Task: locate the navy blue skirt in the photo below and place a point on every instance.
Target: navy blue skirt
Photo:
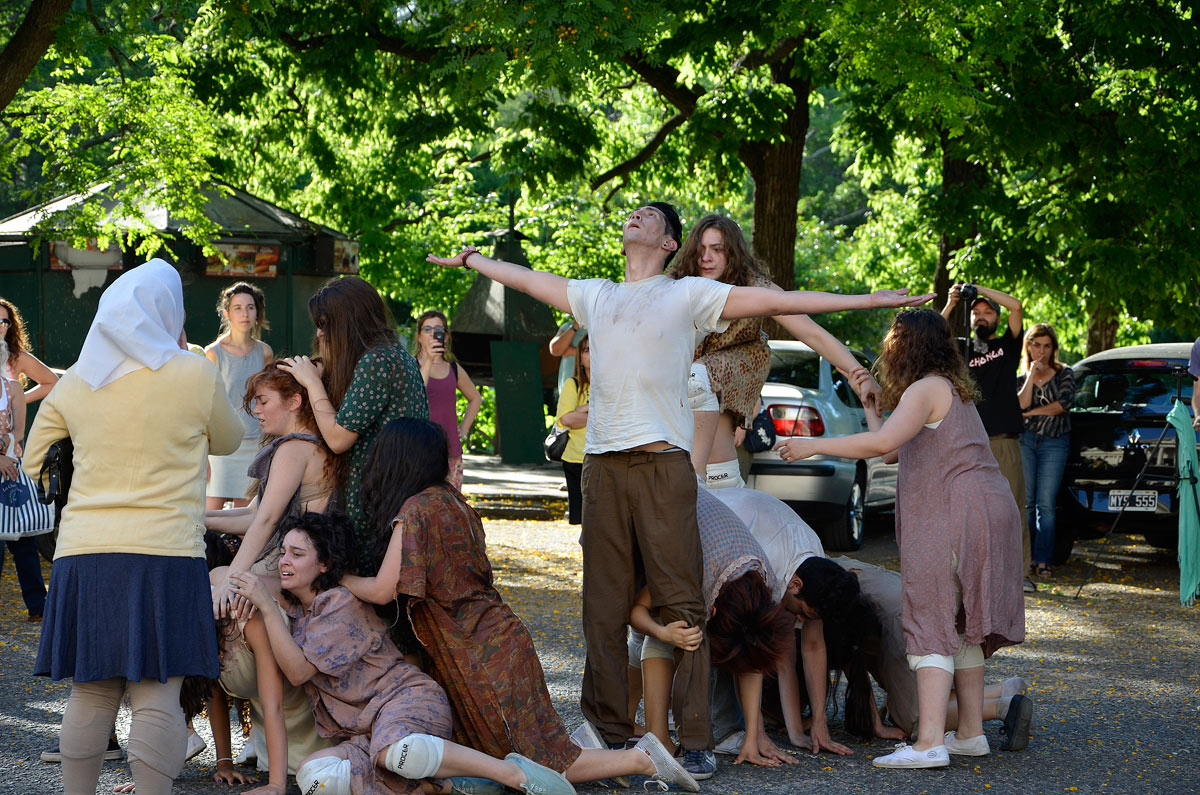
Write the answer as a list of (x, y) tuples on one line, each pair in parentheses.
[(135, 617)]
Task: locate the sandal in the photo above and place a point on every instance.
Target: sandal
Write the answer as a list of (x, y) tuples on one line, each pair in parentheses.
[(1043, 570)]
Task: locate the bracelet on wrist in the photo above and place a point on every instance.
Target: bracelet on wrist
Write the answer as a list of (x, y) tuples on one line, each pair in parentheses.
[(228, 759), (466, 255)]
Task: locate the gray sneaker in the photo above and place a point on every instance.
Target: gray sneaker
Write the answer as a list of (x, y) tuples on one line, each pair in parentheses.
[(667, 768), (586, 736), (701, 763), (732, 744)]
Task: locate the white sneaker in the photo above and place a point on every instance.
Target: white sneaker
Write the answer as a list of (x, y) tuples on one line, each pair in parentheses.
[(586, 736), (667, 768), (732, 744), (907, 757), (1013, 686), (195, 746), (976, 746)]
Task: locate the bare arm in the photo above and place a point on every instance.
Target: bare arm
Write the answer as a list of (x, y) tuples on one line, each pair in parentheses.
[(1015, 309), (474, 402), (569, 412), (337, 438), (560, 344), (270, 696), (763, 301), (789, 698), (816, 677), (925, 401), (33, 368), (381, 589), (677, 633), (18, 413), (1025, 394), (1196, 402), (288, 655), (549, 288)]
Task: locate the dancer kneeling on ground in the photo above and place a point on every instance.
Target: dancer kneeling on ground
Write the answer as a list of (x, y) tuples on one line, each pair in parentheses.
[(296, 474), (390, 718), (748, 630), (431, 549), (869, 643), (957, 527)]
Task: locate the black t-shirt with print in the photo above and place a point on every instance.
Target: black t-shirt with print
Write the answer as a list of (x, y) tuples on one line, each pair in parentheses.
[(996, 373)]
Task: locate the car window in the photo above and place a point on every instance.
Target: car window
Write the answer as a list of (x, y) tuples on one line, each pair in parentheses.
[(798, 368), (845, 393), (1142, 391)]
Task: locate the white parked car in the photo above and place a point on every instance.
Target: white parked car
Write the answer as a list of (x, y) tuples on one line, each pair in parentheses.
[(806, 396)]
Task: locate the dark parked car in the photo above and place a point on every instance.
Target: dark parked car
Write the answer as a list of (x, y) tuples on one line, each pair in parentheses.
[(1121, 402)]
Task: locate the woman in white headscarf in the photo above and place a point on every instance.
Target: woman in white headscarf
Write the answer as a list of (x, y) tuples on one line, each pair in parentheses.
[(129, 611)]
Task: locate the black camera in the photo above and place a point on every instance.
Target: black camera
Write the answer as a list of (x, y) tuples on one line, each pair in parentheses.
[(968, 293), (439, 334)]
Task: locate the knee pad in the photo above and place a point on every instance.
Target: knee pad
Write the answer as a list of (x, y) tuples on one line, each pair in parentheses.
[(325, 775), (700, 392), (943, 661), (415, 757), (725, 475)]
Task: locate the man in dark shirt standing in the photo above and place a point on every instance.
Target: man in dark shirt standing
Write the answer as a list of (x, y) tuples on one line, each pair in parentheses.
[(993, 359)]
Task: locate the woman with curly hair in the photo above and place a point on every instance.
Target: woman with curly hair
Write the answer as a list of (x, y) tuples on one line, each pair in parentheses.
[(731, 366), (957, 528), (389, 720), (21, 364)]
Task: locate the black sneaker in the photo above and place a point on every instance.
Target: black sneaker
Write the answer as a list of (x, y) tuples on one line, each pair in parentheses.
[(1017, 723), (111, 754)]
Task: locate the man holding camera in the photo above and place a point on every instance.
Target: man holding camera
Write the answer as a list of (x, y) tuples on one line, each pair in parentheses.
[(994, 359)]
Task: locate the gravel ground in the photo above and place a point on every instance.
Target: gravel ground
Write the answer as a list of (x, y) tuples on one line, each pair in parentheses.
[(1113, 674)]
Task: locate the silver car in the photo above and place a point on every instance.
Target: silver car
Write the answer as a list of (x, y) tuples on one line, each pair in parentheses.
[(806, 396)]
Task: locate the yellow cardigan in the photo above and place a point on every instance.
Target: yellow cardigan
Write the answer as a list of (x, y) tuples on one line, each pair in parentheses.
[(141, 448)]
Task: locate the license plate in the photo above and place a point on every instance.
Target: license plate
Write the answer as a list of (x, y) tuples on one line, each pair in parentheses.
[(1133, 500)]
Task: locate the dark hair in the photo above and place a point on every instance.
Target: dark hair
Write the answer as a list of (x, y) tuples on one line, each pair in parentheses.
[(408, 456), (416, 342), (15, 335), (582, 377), (849, 625), (741, 267), (1041, 330), (260, 306), (353, 319), (674, 227), (750, 630), (918, 344), (332, 538)]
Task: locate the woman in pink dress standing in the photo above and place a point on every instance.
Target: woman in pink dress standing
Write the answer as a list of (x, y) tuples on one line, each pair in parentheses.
[(444, 379)]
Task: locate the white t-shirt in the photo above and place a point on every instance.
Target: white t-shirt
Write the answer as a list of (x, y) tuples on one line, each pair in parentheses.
[(786, 538), (642, 336)]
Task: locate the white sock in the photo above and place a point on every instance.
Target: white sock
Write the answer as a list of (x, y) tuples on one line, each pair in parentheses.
[(725, 475)]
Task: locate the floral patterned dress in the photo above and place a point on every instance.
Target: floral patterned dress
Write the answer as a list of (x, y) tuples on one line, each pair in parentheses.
[(738, 361), (364, 696), (386, 385), (480, 651)]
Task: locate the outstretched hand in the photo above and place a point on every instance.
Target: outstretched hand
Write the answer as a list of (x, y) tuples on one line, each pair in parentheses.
[(898, 298), (796, 448), (457, 261)]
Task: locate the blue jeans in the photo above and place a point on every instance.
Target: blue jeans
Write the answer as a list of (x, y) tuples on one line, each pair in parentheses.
[(29, 572), (1043, 458)]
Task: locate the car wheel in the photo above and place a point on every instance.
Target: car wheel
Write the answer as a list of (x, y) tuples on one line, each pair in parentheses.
[(1064, 544), (845, 533)]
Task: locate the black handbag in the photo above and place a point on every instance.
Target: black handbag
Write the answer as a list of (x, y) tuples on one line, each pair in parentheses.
[(54, 479), (760, 436), (556, 442)]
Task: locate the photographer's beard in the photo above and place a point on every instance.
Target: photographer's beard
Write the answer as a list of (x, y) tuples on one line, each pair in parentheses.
[(983, 332)]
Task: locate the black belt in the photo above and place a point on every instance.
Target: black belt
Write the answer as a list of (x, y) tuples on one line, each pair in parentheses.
[(1004, 436)]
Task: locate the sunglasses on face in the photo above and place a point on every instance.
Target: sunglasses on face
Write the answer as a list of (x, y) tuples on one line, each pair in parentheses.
[(5, 322)]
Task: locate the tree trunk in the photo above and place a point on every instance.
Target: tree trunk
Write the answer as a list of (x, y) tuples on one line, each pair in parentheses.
[(959, 178), (28, 44), (775, 169), (1102, 328)]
